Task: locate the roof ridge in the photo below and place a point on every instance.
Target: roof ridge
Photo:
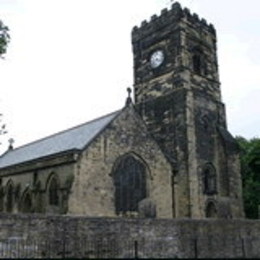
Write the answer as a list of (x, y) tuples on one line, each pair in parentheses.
[(62, 131)]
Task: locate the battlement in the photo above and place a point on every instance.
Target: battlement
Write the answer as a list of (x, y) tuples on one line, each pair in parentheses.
[(169, 16)]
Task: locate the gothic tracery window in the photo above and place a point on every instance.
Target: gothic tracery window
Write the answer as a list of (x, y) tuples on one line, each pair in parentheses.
[(130, 184), (54, 192)]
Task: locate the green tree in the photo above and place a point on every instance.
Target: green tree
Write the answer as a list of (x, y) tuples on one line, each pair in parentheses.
[(2, 126), (4, 38), (250, 170)]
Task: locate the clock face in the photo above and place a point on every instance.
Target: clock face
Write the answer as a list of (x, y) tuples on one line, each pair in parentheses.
[(156, 59)]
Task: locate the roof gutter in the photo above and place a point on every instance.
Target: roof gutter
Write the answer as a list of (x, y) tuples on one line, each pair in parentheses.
[(62, 158)]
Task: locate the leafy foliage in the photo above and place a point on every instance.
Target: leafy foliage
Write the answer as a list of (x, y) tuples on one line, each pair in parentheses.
[(250, 169), (2, 126), (4, 38)]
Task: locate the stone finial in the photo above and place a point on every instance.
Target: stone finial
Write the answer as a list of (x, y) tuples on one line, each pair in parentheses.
[(129, 99), (11, 142)]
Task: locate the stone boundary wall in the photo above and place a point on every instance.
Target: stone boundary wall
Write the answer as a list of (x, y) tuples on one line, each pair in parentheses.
[(39, 236)]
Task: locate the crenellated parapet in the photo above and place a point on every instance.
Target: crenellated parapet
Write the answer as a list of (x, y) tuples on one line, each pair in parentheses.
[(170, 17)]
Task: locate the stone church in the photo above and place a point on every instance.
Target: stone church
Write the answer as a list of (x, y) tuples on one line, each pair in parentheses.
[(166, 154)]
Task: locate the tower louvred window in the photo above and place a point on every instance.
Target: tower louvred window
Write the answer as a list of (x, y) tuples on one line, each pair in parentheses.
[(196, 61), (199, 62), (210, 180)]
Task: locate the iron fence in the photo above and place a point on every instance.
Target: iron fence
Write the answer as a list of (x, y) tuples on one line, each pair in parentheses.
[(109, 247)]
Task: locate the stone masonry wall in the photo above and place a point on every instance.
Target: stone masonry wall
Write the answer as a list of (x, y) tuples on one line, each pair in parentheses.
[(40, 236), (33, 179), (93, 190)]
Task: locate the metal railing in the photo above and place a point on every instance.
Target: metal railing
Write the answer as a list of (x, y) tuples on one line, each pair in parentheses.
[(109, 247)]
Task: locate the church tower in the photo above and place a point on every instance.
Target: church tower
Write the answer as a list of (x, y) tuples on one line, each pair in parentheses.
[(177, 93)]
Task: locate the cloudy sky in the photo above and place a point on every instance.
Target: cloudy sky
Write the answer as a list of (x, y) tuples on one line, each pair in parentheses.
[(70, 61)]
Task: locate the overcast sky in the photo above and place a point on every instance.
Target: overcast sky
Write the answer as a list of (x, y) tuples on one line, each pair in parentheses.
[(70, 61)]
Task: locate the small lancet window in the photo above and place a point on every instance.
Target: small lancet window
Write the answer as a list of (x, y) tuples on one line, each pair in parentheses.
[(9, 198), (54, 192), (27, 203)]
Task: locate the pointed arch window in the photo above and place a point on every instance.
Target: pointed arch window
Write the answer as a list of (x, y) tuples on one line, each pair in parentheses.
[(54, 192), (9, 197), (27, 203), (130, 184)]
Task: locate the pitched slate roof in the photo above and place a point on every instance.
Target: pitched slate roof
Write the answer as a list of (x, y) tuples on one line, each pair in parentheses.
[(75, 138)]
